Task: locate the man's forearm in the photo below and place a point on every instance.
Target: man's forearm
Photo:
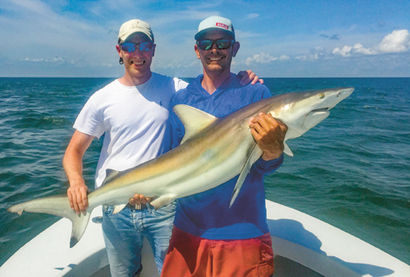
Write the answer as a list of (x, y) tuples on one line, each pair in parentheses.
[(73, 157), (73, 166)]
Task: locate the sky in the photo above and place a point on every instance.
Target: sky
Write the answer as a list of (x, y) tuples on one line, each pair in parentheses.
[(63, 38)]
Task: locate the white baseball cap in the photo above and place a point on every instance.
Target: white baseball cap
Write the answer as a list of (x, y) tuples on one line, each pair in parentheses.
[(215, 22), (135, 26)]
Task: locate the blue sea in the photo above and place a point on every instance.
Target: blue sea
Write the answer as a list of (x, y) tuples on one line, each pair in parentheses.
[(352, 170)]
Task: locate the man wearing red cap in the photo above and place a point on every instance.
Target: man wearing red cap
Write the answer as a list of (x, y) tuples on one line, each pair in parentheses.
[(209, 237)]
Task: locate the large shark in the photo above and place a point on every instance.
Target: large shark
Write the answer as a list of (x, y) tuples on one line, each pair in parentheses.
[(213, 151)]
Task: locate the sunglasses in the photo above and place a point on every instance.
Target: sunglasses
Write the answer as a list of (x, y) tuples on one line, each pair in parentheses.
[(130, 47), (207, 44)]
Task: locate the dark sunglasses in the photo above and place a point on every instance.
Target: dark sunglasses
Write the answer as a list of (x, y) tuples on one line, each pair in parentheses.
[(131, 47), (207, 44)]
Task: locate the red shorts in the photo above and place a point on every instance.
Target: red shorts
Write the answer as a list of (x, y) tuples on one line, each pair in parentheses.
[(189, 255)]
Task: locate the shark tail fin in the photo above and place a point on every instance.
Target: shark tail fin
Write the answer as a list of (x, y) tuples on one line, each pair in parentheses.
[(59, 206)]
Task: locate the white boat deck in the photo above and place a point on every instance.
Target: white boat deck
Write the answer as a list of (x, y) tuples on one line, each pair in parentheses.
[(303, 246)]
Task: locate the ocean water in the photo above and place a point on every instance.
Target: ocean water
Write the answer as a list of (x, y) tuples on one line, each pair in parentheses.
[(352, 170)]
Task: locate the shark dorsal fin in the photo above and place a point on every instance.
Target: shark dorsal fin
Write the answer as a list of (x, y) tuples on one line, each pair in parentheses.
[(194, 120), (109, 175)]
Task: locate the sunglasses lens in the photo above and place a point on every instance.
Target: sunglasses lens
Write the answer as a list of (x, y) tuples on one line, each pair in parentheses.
[(131, 47), (205, 44), (145, 46), (128, 47), (223, 43)]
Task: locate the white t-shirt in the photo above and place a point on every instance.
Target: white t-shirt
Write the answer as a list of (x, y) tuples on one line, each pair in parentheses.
[(132, 119)]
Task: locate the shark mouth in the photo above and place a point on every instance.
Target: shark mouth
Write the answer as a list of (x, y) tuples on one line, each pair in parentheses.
[(321, 110)]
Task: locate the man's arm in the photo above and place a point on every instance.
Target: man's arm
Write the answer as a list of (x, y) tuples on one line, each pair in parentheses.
[(73, 166), (247, 77)]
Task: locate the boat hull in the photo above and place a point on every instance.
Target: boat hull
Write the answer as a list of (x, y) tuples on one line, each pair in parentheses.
[(303, 246)]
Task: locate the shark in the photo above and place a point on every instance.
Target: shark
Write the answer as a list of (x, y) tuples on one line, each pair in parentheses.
[(213, 151)]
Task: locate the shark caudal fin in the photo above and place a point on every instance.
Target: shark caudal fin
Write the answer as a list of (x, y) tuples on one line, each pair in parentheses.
[(59, 206)]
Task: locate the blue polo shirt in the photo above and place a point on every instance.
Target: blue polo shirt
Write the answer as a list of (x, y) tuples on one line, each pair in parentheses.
[(207, 214)]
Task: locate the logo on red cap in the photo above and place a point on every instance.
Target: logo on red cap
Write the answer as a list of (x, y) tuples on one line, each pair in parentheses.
[(218, 24)]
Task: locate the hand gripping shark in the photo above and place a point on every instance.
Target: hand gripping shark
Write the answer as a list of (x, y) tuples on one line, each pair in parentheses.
[(213, 151)]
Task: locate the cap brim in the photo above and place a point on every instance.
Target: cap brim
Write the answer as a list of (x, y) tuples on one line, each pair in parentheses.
[(140, 33), (202, 33)]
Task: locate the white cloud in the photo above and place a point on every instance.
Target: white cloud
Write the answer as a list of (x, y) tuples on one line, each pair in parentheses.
[(397, 41), (284, 58), (344, 51), (264, 58), (260, 58), (309, 57), (358, 48), (35, 7), (252, 15), (45, 60)]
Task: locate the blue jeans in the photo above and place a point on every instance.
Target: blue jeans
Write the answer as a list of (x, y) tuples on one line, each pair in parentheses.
[(124, 233)]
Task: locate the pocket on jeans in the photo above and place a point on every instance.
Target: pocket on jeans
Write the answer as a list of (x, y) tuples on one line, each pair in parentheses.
[(108, 210)]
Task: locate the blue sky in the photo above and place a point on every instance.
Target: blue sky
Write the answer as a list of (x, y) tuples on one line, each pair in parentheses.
[(278, 38)]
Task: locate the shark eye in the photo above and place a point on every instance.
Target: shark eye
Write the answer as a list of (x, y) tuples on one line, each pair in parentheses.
[(322, 95)]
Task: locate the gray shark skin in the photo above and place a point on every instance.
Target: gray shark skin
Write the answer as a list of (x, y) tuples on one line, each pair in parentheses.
[(213, 151)]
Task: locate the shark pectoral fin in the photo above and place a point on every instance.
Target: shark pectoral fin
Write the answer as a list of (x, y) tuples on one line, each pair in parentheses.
[(287, 150), (163, 200), (118, 208), (194, 120), (80, 223), (253, 157)]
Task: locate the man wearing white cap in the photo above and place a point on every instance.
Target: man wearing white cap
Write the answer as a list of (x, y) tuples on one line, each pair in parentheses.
[(131, 112), (209, 237)]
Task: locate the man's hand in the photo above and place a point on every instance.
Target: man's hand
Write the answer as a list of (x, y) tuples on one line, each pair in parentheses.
[(77, 196), (247, 77), (269, 134), (139, 199)]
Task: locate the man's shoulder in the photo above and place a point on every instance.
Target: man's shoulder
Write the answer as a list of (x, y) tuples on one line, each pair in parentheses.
[(164, 78), (188, 91), (234, 83), (108, 87), (258, 89), (181, 95), (103, 89), (175, 82), (159, 76)]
